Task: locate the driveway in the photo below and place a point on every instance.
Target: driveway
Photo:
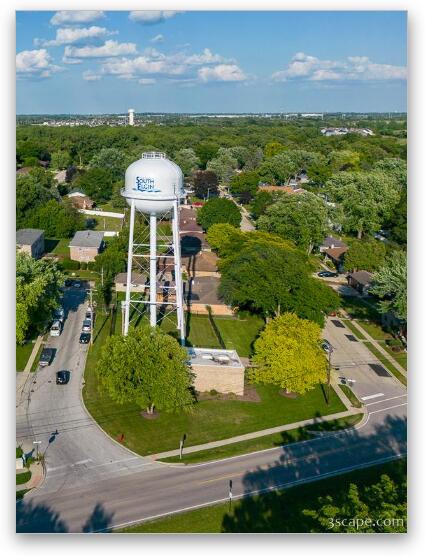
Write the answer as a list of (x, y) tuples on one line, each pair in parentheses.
[(76, 450)]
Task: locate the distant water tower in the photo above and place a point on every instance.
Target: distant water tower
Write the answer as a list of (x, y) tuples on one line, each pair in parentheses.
[(131, 116), (153, 187)]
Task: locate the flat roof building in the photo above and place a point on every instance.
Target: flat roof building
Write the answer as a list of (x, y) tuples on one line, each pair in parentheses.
[(217, 369)]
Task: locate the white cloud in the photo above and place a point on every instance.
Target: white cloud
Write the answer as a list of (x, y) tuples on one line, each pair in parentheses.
[(107, 50), (35, 63), (222, 72), (207, 57), (358, 68), (149, 17), (147, 81), (158, 38), (69, 35), (70, 61), (91, 76), (76, 16)]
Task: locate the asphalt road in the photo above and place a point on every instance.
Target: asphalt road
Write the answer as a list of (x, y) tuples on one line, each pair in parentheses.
[(93, 484)]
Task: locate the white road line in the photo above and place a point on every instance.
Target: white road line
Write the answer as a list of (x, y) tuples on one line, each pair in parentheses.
[(364, 398), (386, 400), (386, 408), (82, 461)]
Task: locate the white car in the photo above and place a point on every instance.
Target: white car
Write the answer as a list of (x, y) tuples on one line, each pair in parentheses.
[(56, 328), (86, 326)]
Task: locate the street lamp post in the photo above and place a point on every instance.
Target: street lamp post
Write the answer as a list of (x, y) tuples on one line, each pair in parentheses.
[(328, 387), (37, 443)]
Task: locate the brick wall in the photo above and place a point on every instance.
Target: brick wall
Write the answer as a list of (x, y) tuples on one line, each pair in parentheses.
[(224, 379), (83, 254)]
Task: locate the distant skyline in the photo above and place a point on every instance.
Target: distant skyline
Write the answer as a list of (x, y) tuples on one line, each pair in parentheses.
[(94, 62)]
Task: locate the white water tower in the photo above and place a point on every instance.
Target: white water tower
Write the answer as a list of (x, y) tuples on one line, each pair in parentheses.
[(131, 116), (154, 186)]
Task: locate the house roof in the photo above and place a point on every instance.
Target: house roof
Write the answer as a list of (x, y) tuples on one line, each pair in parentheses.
[(76, 194), (336, 252), (87, 238), (136, 278), (203, 290), (331, 241), (28, 236), (361, 277), (205, 261)]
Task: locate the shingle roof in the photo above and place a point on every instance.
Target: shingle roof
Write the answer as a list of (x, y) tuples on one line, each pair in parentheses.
[(28, 236), (336, 252), (136, 278), (362, 277), (87, 238), (333, 241)]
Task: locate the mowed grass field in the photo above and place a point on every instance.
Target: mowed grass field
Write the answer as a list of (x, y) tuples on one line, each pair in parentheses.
[(210, 419)]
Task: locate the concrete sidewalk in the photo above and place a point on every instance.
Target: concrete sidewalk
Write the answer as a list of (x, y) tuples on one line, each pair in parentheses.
[(37, 476), (258, 434), (33, 355)]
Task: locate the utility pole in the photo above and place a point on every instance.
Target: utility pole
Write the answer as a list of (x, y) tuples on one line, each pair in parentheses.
[(328, 388), (92, 313)]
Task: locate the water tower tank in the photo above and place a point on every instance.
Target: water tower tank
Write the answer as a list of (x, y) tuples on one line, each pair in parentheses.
[(154, 182)]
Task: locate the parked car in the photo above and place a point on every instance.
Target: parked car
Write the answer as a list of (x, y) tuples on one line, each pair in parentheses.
[(46, 357), (59, 314), (56, 328), (84, 338), (326, 274), (62, 377), (86, 325), (68, 283), (326, 346), (89, 316), (77, 284)]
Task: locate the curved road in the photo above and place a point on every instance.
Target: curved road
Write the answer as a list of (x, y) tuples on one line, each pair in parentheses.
[(94, 484)]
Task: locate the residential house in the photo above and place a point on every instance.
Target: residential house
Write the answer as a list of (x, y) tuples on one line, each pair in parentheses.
[(360, 281), (30, 241), (201, 264), (331, 242), (85, 245), (80, 200), (201, 292), (137, 282)]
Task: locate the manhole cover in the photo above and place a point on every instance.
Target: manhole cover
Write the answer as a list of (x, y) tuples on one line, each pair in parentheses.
[(337, 323), (379, 369), (351, 337)]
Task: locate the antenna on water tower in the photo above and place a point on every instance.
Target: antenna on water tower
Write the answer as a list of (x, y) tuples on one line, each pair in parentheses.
[(131, 116), (154, 187)]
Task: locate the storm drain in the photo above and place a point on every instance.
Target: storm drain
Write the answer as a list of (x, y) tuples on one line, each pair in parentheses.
[(379, 369), (351, 337), (337, 323)]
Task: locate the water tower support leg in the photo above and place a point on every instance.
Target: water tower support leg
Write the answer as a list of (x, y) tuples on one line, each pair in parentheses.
[(129, 267), (152, 268), (178, 272)]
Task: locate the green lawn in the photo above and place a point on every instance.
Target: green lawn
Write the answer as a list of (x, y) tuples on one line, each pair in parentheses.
[(400, 357), (22, 478), (358, 308), (264, 442), (276, 512), (353, 329), (37, 359), (22, 355), (386, 363), (375, 330), (107, 223), (240, 333), (57, 246), (200, 332), (350, 395)]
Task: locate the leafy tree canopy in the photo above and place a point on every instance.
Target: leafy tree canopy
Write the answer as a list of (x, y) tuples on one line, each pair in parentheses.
[(147, 367), (366, 254), (288, 353), (390, 284), (187, 160), (219, 211), (261, 201), (60, 160), (245, 184), (57, 219), (223, 165), (111, 160), (205, 184), (301, 218), (96, 183)]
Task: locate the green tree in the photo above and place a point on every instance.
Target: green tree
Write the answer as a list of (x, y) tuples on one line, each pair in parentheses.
[(282, 166), (288, 354), (38, 285), (365, 254), (205, 151), (147, 367), (187, 160), (395, 167), (224, 238), (205, 184), (273, 148), (59, 220), (112, 160), (366, 198), (262, 200), (245, 185), (97, 183), (301, 218), (224, 165), (344, 160), (381, 508), (60, 160), (113, 259), (397, 222), (390, 284), (29, 196), (219, 211), (271, 277)]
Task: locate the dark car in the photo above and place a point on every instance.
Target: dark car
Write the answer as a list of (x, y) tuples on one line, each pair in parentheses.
[(68, 283), (46, 357), (326, 274), (326, 346), (62, 377), (84, 338)]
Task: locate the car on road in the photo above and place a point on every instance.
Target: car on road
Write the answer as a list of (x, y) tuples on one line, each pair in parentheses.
[(46, 357), (86, 325), (68, 283), (326, 274), (77, 284), (63, 377), (89, 316), (326, 346), (59, 314), (56, 328), (84, 338)]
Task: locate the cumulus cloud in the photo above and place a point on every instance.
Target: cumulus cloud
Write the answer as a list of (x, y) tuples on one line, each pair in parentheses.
[(149, 17), (91, 76), (357, 68), (35, 63), (221, 72), (158, 38), (69, 35), (147, 81), (107, 50), (72, 17)]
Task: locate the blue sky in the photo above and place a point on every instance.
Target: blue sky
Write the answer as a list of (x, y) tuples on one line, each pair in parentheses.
[(156, 61)]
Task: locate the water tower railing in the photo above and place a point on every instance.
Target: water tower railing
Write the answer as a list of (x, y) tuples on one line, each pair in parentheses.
[(154, 154)]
